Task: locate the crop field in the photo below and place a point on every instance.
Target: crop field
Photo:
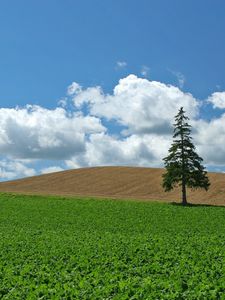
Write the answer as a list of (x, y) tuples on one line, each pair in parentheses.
[(114, 182), (64, 248)]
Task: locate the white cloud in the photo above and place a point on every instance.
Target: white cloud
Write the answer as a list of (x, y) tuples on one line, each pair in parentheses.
[(180, 78), (121, 64), (210, 135), (10, 169), (91, 95), (142, 110), (51, 169), (145, 71), (102, 150), (34, 132), (210, 140), (217, 99), (62, 102), (73, 88), (141, 105)]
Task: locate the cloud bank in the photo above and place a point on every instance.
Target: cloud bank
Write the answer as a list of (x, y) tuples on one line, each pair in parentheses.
[(130, 126)]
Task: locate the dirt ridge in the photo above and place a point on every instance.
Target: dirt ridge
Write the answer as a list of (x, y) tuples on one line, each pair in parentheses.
[(115, 182)]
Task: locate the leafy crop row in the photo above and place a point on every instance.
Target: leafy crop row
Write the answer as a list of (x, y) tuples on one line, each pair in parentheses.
[(55, 248)]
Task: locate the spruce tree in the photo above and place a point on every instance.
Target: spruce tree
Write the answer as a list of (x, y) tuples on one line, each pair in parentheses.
[(183, 164)]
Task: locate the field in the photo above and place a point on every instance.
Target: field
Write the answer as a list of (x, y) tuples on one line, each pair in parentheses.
[(61, 248), (114, 182)]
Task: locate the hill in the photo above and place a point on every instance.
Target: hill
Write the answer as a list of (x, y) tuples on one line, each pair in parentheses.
[(114, 182)]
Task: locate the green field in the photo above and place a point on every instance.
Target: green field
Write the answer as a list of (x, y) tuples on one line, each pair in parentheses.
[(60, 248)]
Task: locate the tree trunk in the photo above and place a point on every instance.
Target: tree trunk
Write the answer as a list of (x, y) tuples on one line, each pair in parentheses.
[(184, 196)]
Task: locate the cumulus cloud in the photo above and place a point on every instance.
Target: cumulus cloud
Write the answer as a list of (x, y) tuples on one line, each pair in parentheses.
[(10, 169), (141, 105), (73, 88), (134, 150), (91, 96), (62, 102), (217, 99), (34, 132), (141, 112), (210, 140)]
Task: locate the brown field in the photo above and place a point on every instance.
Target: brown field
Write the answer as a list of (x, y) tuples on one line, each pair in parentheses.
[(114, 182)]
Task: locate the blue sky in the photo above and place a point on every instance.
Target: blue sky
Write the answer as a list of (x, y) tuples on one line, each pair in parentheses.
[(48, 45)]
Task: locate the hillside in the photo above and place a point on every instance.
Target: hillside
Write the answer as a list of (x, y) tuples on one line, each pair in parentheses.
[(114, 182)]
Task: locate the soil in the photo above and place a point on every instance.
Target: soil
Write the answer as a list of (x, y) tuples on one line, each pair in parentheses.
[(117, 183)]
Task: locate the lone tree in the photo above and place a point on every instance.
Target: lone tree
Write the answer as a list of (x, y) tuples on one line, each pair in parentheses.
[(183, 165)]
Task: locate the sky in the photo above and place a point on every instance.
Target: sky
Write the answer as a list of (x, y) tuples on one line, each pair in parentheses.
[(98, 82)]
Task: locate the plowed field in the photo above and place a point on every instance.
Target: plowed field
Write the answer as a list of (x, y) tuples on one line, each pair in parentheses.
[(114, 182)]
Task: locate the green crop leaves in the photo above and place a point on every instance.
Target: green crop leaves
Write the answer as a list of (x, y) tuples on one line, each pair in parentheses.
[(54, 248)]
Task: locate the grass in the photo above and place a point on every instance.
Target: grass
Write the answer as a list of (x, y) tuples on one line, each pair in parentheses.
[(61, 248)]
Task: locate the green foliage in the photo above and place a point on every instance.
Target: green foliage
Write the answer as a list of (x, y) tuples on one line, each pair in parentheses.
[(183, 165), (54, 248)]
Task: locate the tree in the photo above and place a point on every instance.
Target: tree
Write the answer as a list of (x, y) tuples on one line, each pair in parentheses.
[(183, 164)]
